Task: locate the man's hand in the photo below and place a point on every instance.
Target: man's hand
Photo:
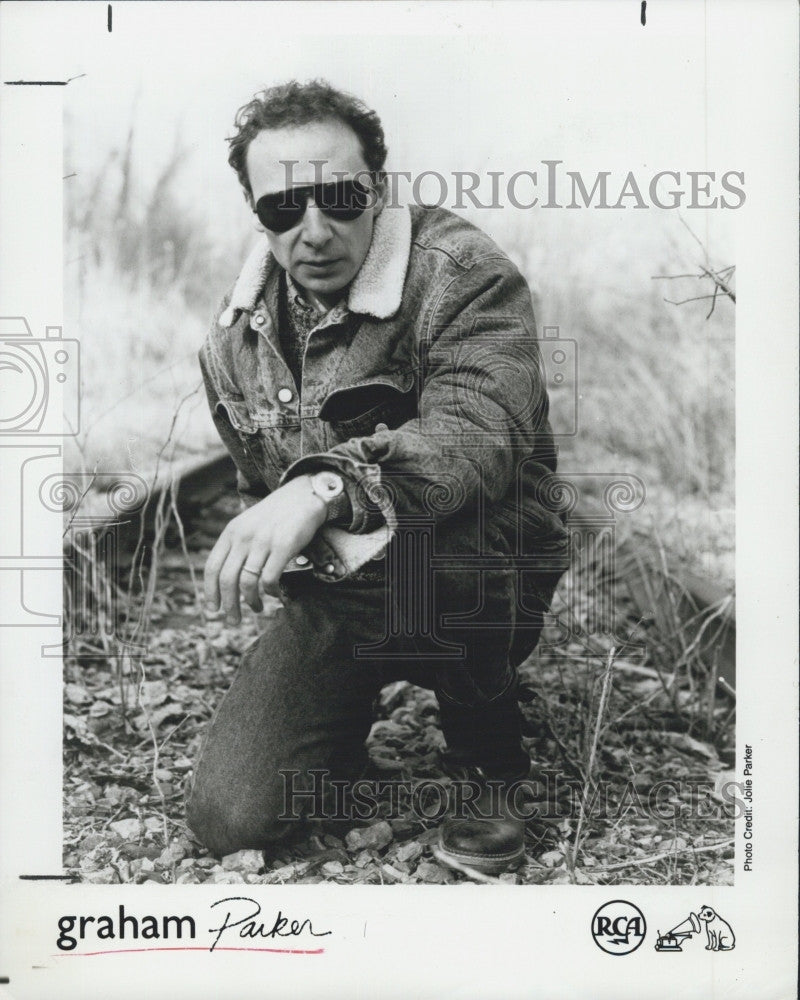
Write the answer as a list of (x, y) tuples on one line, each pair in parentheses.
[(254, 548)]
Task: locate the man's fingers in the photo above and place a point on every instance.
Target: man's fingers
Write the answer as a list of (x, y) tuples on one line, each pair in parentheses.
[(214, 564), (251, 571), (271, 573), (229, 584)]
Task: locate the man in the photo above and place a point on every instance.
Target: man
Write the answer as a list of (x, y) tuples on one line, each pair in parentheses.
[(375, 375)]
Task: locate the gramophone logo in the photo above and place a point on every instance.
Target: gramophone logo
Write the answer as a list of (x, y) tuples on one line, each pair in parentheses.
[(618, 927), (719, 933)]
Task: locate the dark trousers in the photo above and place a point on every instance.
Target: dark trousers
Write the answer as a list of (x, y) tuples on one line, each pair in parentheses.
[(303, 696)]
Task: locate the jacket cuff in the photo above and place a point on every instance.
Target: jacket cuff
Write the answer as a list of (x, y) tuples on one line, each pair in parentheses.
[(340, 509), (371, 507)]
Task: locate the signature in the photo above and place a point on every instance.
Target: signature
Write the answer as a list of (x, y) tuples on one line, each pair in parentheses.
[(242, 914)]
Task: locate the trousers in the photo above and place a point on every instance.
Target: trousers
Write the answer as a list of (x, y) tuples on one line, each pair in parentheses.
[(302, 698)]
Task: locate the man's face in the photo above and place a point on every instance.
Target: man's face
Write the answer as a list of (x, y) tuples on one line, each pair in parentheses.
[(322, 255)]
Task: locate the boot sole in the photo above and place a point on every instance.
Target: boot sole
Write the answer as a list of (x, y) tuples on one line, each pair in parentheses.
[(487, 865)]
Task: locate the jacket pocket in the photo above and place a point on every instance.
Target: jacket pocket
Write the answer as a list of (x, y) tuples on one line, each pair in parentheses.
[(257, 441), (358, 411)]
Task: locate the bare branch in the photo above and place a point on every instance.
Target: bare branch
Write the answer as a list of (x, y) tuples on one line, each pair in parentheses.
[(721, 285), (695, 298)]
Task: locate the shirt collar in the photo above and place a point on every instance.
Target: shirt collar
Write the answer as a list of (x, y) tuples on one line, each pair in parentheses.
[(377, 289)]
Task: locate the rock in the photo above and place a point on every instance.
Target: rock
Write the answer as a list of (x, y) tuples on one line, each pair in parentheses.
[(430, 872), (242, 861), (105, 876), (372, 838), (409, 852), (99, 709), (227, 878), (552, 858), (113, 794), (132, 850), (126, 828), (282, 874), (172, 854), (91, 840), (151, 877), (331, 868), (152, 693), (76, 694)]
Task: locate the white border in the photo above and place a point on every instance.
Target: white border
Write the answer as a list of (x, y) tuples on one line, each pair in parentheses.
[(467, 941)]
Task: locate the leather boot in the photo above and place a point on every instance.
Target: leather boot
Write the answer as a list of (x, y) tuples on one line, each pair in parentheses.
[(485, 831)]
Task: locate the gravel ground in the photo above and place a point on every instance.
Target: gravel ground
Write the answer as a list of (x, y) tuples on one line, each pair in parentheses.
[(634, 761)]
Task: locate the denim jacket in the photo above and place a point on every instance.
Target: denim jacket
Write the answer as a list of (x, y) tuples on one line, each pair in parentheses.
[(424, 389)]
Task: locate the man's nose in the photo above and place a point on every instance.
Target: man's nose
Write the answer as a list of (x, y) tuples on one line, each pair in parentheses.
[(316, 226)]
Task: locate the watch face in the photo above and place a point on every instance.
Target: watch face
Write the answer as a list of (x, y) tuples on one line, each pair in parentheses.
[(328, 485)]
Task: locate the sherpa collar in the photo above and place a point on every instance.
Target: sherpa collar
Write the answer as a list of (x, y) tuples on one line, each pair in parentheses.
[(377, 289)]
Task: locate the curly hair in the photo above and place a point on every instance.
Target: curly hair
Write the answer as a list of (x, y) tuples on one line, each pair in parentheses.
[(296, 103)]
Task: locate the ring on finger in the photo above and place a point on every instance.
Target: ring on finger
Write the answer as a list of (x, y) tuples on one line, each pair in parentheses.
[(255, 572)]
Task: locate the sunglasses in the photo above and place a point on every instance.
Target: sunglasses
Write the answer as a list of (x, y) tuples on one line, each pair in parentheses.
[(343, 200)]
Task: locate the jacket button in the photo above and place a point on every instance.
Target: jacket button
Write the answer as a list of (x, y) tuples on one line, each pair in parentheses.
[(285, 395), (329, 568), (381, 427), (258, 319)]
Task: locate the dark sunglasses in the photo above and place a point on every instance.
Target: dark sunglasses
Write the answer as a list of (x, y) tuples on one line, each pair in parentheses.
[(342, 200)]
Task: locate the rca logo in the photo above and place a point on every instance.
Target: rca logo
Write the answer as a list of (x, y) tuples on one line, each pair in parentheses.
[(618, 927)]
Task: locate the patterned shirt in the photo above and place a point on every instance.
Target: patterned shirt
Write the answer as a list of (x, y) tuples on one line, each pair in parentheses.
[(297, 320)]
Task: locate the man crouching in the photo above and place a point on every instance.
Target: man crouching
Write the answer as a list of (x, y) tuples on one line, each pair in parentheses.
[(375, 375)]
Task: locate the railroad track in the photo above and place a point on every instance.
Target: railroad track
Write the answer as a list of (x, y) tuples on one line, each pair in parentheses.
[(704, 607)]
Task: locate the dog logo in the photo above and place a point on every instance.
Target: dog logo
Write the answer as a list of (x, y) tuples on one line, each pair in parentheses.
[(719, 933), (618, 927)]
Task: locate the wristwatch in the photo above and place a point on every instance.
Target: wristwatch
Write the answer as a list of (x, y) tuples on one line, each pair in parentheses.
[(329, 486)]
